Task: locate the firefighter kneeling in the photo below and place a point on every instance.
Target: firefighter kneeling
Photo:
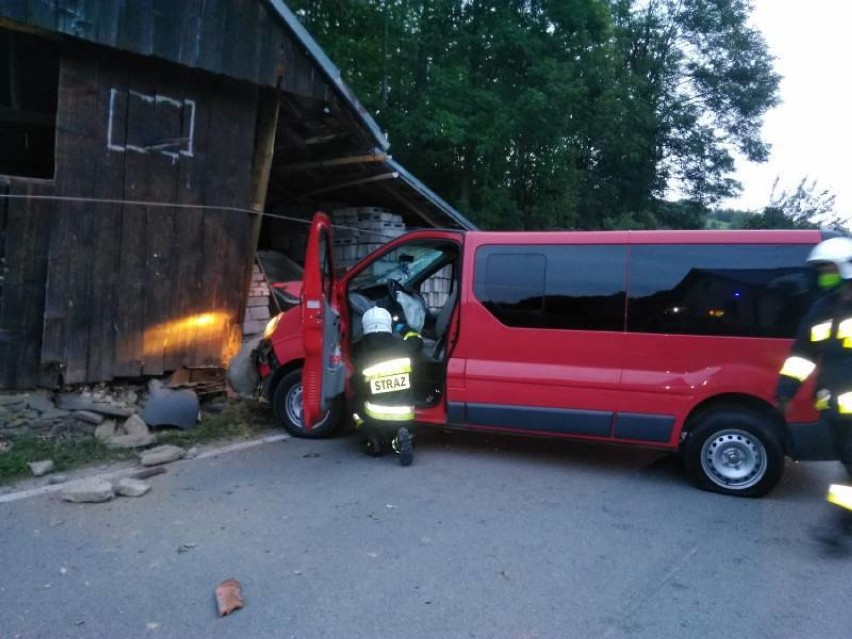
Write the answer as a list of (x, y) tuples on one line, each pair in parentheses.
[(384, 364)]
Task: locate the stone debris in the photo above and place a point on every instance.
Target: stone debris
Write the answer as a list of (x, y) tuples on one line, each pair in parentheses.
[(88, 491), (135, 425), (105, 430), (71, 401), (132, 487), (162, 455), (43, 413), (130, 441), (133, 433), (88, 416), (41, 468), (57, 479), (52, 414), (40, 403)]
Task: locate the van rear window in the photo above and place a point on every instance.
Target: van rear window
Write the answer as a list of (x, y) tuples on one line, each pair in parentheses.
[(749, 290)]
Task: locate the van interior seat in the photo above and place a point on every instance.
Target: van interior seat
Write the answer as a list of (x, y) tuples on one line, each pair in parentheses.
[(433, 347)]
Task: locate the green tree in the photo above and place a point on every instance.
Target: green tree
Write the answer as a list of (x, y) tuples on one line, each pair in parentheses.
[(559, 113), (805, 207), (696, 81)]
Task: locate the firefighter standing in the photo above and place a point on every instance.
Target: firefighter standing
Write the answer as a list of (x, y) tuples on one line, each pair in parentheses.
[(382, 382), (824, 341)]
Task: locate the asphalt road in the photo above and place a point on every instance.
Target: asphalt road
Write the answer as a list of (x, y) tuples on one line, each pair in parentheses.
[(482, 537)]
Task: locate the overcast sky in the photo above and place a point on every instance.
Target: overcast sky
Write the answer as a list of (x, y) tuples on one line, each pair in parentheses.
[(811, 132)]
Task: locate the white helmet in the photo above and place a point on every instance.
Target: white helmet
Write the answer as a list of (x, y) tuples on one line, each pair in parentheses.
[(376, 320), (838, 251)]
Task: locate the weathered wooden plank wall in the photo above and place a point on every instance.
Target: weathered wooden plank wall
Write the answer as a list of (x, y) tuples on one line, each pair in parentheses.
[(106, 251), (27, 224), (227, 184), (242, 39), (65, 335), (133, 288)]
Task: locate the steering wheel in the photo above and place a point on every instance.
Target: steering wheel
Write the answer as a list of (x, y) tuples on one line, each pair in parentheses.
[(395, 286)]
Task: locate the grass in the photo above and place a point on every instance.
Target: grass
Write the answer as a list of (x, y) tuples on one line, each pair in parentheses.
[(238, 420)]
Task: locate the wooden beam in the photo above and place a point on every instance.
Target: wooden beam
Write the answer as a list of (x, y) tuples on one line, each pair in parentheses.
[(268, 108), (376, 178), (320, 164)]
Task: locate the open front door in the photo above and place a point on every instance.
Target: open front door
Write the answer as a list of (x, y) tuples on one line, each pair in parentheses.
[(323, 375)]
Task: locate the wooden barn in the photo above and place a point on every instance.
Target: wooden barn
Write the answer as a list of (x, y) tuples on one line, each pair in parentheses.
[(140, 141)]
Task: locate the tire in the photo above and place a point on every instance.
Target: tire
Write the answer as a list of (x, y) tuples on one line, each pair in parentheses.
[(404, 447), (287, 407), (734, 451)]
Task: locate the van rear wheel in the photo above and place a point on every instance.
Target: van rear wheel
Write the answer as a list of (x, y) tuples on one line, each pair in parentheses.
[(287, 406), (734, 452)]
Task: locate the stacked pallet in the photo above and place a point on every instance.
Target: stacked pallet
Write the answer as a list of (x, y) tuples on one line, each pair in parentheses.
[(436, 289), (358, 231)]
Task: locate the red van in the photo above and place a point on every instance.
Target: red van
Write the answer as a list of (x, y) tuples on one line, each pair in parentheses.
[(662, 339)]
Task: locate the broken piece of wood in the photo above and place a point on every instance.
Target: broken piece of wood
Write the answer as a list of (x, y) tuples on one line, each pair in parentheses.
[(229, 596)]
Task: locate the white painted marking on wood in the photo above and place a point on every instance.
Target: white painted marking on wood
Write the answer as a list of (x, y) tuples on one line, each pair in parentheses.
[(181, 104)]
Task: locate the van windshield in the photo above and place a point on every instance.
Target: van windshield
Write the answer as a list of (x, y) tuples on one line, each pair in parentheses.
[(402, 264)]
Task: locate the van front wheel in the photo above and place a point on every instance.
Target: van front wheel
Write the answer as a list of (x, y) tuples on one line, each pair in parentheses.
[(287, 406), (734, 452)]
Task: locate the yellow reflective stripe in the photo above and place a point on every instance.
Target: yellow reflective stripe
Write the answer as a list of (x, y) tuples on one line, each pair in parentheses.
[(823, 399), (821, 332), (844, 403), (357, 419), (840, 495), (389, 413), (411, 334), (844, 329), (390, 367), (798, 368)]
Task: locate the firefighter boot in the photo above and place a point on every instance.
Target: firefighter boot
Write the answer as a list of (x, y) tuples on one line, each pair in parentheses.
[(402, 447), (834, 533)]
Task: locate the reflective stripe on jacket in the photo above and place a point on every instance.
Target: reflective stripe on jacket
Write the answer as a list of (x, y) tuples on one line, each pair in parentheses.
[(823, 344)]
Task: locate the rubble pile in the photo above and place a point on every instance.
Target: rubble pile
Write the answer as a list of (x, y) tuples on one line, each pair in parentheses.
[(41, 412), (120, 417)]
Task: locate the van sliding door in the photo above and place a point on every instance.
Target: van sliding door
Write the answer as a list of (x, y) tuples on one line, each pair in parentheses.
[(544, 335)]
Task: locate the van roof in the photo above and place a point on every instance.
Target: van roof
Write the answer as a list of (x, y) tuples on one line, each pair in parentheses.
[(798, 236)]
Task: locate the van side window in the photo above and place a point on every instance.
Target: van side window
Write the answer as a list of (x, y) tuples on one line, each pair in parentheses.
[(745, 290), (580, 287)]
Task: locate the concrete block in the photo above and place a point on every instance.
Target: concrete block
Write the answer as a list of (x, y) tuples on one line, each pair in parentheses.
[(41, 468), (88, 491), (162, 455), (132, 487)]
